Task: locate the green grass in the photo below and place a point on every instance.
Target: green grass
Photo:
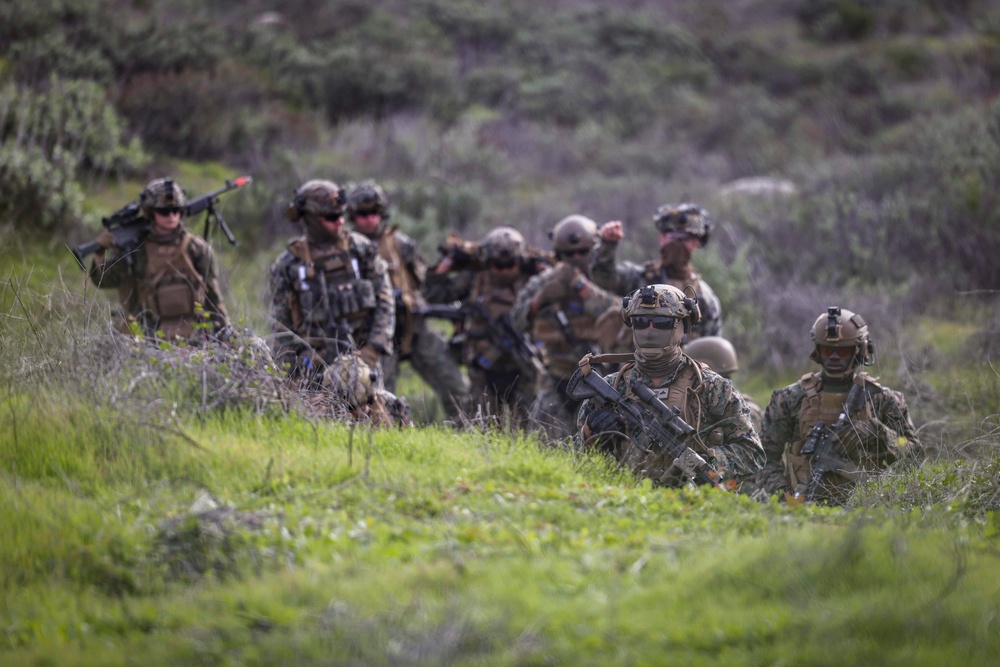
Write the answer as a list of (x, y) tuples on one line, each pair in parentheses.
[(433, 547)]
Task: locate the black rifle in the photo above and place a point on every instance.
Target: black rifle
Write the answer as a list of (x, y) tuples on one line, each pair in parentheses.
[(666, 429), (129, 227), (570, 335), (503, 334), (819, 448)]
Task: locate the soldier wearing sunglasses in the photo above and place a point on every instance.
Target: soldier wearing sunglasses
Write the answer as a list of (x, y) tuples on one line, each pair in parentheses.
[(683, 229), (873, 434), (659, 316), (168, 285)]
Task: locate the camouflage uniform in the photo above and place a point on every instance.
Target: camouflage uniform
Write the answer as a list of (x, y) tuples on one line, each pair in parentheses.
[(498, 386), (425, 349), (169, 283), (876, 435), (330, 295), (709, 403), (626, 277), (560, 308)]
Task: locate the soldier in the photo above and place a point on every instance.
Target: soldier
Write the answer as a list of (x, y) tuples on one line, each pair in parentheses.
[(560, 308), (488, 277), (426, 350), (719, 354), (683, 229), (331, 298), (874, 431), (660, 316), (168, 284)]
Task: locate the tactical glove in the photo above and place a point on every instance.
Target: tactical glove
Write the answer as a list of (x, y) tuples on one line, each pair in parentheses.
[(601, 420)]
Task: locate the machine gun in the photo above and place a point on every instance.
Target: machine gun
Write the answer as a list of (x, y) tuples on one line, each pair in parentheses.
[(502, 333), (819, 448), (129, 227), (666, 429)]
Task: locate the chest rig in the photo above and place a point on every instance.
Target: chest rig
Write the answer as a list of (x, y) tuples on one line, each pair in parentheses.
[(564, 331), (329, 288), (493, 299), (173, 289), (654, 272)]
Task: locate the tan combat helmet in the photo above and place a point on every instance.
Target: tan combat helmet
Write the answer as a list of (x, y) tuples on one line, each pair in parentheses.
[(716, 352), (573, 234), (365, 198), (662, 301), (839, 327), (503, 247), (316, 198), (683, 218), (161, 193)]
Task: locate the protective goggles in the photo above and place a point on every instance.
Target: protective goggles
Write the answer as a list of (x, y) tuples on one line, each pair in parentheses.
[(168, 210), (661, 322), (840, 350), (332, 216)]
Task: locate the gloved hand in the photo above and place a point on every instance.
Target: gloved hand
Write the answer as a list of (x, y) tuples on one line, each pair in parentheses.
[(683, 468), (856, 437), (371, 356), (105, 239), (601, 420)]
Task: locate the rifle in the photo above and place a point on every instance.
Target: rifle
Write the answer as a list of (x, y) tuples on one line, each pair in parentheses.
[(819, 448), (666, 429), (502, 332), (129, 227), (570, 336)]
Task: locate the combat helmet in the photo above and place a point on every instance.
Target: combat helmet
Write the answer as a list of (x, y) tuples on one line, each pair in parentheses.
[(161, 193), (683, 218), (365, 198), (574, 233), (716, 352), (503, 247), (350, 378), (839, 327), (661, 301), (316, 199)]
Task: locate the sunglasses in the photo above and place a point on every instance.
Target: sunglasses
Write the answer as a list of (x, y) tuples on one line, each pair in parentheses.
[(332, 216), (504, 263), (575, 253), (365, 214), (167, 210), (658, 321), (831, 350)]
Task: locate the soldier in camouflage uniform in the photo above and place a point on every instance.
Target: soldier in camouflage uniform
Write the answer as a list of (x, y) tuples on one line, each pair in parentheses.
[(877, 434), (426, 350), (683, 229), (560, 309), (168, 284), (660, 316), (331, 298), (486, 278)]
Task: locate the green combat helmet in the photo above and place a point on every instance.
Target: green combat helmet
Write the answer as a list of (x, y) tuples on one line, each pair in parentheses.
[(573, 234), (161, 193), (314, 201), (683, 219), (661, 301), (839, 327), (366, 198), (350, 378), (716, 352), (503, 247)]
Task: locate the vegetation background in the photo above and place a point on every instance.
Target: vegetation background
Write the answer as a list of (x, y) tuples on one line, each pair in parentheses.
[(188, 510)]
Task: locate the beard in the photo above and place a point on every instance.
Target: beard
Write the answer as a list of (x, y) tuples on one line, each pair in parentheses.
[(676, 257)]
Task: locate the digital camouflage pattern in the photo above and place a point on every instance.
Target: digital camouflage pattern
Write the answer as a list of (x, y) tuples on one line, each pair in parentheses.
[(129, 275), (719, 414), (626, 277), (301, 338), (562, 292), (877, 435)]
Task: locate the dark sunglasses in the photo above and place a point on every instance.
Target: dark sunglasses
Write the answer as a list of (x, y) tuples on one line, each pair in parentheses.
[(365, 214), (167, 210), (658, 322), (830, 350), (504, 263), (332, 216), (575, 253)]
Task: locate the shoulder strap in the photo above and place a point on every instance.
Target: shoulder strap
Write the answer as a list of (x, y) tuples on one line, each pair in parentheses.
[(300, 250), (810, 383)]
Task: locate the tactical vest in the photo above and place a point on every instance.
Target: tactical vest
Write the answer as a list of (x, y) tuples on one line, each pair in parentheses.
[(818, 405), (328, 287), (405, 288), (561, 355), (678, 394), (496, 299), (173, 288)]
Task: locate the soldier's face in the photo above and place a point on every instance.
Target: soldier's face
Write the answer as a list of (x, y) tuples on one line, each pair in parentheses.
[(166, 220), (367, 223), (332, 223), (837, 361)]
